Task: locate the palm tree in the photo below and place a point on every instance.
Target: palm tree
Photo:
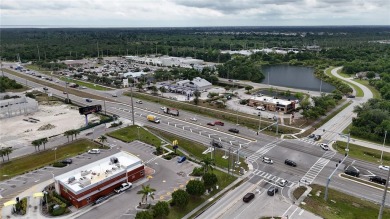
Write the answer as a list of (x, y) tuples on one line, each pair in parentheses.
[(67, 134), (207, 164), (162, 90), (76, 132), (139, 86), (36, 143), (154, 90), (2, 153), (7, 151), (102, 139), (44, 141), (145, 192)]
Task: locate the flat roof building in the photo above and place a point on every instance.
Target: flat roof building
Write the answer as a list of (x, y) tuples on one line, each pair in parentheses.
[(85, 184), (272, 104)]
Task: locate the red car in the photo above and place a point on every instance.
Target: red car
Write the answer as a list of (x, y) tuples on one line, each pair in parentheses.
[(219, 123), (211, 124)]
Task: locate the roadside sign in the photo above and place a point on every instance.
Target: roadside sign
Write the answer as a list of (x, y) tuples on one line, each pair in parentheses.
[(175, 142)]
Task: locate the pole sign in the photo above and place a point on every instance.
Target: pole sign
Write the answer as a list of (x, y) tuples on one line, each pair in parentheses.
[(90, 109)]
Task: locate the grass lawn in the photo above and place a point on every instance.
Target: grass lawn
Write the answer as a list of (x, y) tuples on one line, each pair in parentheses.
[(40, 159), (345, 206), (363, 153), (299, 191), (196, 149), (85, 84), (130, 133), (223, 180), (215, 114), (374, 91)]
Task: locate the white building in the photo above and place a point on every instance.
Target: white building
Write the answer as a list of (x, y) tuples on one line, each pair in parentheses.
[(16, 106)]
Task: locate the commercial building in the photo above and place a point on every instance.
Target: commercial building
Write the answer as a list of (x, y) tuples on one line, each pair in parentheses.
[(85, 184), (272, 104), (17, 105)]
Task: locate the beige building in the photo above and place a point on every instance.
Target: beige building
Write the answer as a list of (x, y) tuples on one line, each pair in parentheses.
[(272, 104)]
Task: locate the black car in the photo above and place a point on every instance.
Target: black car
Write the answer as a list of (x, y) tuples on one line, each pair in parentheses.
[(378, 179), (290, 163), (234, 130), (67, 161), (311, 136), (272, 190), (248, 197), (216, 144), (88, 100), (352, 171)]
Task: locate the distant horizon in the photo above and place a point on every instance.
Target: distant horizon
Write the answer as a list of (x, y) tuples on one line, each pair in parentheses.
[(248, 26), (189, 13)]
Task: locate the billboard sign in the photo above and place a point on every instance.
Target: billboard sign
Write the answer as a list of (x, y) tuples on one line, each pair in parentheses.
[(90, 109)]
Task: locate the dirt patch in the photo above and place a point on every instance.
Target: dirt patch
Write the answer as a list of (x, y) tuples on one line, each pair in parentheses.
[(49, 120)]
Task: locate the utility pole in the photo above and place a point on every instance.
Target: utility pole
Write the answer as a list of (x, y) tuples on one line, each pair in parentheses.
[(328, 181), (384, 141), (384, 196), (1, 66), (39, 56), (105, 112), (259, 123), (132, 103), (229, 161)]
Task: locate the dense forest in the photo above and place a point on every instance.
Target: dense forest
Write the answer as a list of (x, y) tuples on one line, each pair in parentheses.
[(357, 49)]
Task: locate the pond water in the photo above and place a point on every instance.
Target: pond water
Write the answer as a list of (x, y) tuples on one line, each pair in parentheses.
[(294, 77)]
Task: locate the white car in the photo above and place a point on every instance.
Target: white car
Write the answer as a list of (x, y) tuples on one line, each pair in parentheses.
[(324, 146), (163, 108), (283, 183), (267, 160), (114, 95), (123, 187), (138, 101), (194, 119), (94, 151), (382, 167)]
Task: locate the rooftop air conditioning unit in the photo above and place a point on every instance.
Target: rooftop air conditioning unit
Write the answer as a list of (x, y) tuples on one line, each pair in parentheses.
[(114, 160), (71, 179)]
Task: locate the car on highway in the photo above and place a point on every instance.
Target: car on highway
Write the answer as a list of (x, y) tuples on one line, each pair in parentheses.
[(114, 95), (67, 161), (317, 137), (88, 100), (219, 123), (382, 167), (45, 89), (100, 200), (248, 197), (123, 187), (377, 179), (138, 101), (311, 136), (94, 151), (163, 108), (193, 119), (267, 160), (217, 144), (352, 171), (290, 163), (210, 124), (324, 146), (64, 92), (83, 87), (234, 130), (282, 183), (272, 190)]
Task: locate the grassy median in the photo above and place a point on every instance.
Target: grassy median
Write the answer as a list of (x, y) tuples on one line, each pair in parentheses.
[(40, 159), (130, 133), (340, 205), (362, 153)]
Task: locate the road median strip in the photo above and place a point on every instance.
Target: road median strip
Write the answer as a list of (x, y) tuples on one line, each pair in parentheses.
[(362, 182)]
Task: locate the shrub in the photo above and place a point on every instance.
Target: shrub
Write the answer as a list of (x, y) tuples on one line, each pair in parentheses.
[(64, 200), (197, 171), (59, 164)]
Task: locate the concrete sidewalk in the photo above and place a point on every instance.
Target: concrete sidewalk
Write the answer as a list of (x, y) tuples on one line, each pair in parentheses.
[(367, 144)]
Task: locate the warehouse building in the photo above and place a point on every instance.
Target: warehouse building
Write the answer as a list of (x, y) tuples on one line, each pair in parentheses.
[(85, 184)]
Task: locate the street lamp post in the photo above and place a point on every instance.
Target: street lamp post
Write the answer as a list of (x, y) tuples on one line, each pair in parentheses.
[(132, 103), (55, 155), (138, 132), (384, 195), (383, 146), (259, 123)]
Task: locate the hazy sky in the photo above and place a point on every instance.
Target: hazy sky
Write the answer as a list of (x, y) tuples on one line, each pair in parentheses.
[(170, 13)]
